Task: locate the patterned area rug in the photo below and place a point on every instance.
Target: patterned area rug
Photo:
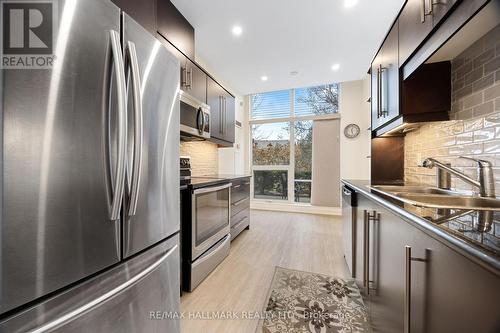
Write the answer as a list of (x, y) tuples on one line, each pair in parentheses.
[(308, 302)]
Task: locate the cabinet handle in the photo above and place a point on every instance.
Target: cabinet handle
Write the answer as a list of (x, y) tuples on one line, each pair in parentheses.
[(225, 115), (407, 310), (382, 111), (422, 11), (187, 77), (366, 247), (190, 78), (183, 77), (366, 253), (220, 114), (379, 91)]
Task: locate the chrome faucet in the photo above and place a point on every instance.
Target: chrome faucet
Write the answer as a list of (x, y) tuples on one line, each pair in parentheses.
[(486, 183)]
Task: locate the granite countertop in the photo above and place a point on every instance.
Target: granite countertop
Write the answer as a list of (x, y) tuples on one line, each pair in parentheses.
[(458, 232)]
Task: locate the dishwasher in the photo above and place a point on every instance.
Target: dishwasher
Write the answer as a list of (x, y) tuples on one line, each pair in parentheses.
[(349, 204)]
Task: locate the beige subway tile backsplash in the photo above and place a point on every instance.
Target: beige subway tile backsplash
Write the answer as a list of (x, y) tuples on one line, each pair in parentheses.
[(475, 128), (204, 156)]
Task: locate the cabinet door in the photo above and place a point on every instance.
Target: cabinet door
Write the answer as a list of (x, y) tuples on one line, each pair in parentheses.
[(215, 94), (440, 9), (194, 81), (450, 293), (229, 117), (389, 88), (385, 81), (143, 12), (375, 86), (387, 272), (173, 26), (414, 26), (363, 243)]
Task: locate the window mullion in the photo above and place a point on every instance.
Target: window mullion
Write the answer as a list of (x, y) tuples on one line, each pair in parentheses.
[(291, 165)]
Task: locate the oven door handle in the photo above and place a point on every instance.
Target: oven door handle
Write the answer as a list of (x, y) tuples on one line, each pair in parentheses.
[(212, 188)]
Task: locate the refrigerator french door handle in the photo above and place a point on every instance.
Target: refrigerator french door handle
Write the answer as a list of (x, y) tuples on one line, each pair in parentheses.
[(119, 181), (56, 323), (131, 54)]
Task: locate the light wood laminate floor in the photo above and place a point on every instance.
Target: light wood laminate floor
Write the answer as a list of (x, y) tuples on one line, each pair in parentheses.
[(298, 241)]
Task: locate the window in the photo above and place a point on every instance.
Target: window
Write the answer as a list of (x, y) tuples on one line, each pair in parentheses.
[(281, 124), (271, 144)]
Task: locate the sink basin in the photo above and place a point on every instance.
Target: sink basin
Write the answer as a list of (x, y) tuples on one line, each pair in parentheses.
[(413, 189), (433, 197), (449, 201)]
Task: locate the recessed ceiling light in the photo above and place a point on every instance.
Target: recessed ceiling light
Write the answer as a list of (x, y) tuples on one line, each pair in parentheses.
[(264, 78), (335, 67), (237, 30), (350, 3)]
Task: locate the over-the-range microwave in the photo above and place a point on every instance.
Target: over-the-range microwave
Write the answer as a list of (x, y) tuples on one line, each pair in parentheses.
[(194, 118)]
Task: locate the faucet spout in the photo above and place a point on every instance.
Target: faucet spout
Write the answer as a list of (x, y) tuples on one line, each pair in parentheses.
[(431, 162)]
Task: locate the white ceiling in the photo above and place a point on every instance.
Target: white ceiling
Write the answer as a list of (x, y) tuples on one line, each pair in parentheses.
[(281, 36)]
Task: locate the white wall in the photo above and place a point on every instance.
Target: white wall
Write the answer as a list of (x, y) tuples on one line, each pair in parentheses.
[(354, 108)]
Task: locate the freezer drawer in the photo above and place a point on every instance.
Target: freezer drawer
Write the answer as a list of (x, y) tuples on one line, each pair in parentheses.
[(137, 296)]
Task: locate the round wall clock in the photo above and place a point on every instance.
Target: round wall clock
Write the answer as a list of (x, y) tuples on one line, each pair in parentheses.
[(351, 131)]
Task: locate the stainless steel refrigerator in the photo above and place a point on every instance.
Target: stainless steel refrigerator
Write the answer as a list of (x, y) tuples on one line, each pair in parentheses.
[(89, 187)]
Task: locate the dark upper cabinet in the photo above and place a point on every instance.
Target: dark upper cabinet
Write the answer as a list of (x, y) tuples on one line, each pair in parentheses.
[(143, 12), (173, 26), (414, 26), (440, 8), (222, 113), (385, 81), (230, 121), (193, 80)]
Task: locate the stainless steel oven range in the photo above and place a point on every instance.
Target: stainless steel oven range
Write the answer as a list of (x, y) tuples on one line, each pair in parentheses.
[(206, 214)]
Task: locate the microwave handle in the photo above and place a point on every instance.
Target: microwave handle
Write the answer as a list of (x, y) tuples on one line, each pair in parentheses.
[(200, 125), (212, 188)]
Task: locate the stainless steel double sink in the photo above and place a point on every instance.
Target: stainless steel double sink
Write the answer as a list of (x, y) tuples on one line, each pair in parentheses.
[(433, 197)]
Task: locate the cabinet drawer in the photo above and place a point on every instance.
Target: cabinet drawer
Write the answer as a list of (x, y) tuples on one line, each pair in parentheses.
[(238, 206), (236, 219), (240, 222), (240, 190)]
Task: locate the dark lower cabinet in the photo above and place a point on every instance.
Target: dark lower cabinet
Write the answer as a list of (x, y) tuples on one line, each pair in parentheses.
[(448, 292), (222, 113), (240, 206)]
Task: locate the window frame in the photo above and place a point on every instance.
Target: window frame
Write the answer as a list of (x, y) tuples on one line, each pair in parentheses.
[(290, 168)]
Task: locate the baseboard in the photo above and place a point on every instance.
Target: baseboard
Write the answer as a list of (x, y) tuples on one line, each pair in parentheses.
[(296, 208)]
